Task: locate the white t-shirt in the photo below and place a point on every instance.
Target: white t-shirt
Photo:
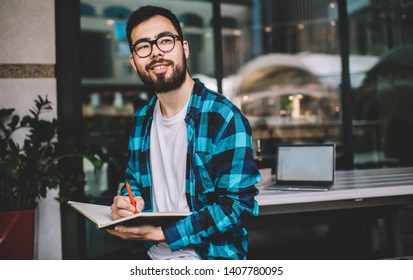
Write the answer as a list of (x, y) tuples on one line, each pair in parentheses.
[(168, 148)]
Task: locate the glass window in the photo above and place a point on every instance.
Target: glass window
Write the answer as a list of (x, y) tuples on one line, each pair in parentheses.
[(282, 68), (381, 44)]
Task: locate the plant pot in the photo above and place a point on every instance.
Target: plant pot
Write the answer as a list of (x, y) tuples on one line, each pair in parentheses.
[(17, 235)]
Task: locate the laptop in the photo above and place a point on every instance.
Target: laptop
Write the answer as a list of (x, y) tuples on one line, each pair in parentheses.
[(304, 167)]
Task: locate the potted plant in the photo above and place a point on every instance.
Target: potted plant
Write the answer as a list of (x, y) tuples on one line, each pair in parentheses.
[(28, 169)]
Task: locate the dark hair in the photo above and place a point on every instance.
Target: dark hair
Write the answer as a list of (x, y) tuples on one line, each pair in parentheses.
[(145, 13)]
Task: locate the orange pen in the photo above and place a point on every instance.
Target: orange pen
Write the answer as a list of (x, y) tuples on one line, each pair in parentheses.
[(131, 197)]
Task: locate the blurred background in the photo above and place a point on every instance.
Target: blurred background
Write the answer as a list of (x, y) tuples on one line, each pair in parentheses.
[(302, 71)]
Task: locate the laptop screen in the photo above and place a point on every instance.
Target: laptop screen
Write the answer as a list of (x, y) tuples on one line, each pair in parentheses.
[(313, 163)]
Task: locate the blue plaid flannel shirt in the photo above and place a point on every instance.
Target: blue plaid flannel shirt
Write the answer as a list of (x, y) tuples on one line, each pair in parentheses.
[(220, 176)]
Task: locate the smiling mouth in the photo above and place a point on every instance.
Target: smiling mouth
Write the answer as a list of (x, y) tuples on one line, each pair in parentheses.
[(158, 65)]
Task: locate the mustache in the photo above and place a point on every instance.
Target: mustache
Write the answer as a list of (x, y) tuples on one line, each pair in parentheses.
[(160, 60)]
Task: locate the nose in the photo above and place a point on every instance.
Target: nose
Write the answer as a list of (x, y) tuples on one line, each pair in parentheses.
[(156, 51)]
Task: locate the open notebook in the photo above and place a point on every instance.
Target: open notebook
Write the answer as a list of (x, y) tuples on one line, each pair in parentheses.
[(304, 167), (102, 217)]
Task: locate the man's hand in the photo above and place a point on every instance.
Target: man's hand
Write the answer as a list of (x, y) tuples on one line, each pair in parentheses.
[(141, 232), (121, 206)]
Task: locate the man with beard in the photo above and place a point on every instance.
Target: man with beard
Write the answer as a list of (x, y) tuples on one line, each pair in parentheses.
[(190, 151)]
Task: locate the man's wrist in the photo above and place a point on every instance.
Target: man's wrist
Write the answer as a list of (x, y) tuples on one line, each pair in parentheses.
[(158, 235)]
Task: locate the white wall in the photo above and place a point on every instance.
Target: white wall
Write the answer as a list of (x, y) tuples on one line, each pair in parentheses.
[(27, 59)]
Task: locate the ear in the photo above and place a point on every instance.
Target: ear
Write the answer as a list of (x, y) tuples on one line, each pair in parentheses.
[(185, 45), (132, 62)]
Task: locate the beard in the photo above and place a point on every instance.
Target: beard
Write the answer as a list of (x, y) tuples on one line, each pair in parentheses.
[(161, 84)]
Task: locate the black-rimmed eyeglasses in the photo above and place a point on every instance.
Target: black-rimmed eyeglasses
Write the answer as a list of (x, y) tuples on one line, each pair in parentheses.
[(164, 43)]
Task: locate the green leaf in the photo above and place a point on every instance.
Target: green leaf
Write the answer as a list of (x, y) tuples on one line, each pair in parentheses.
[(41, 163), (6, 112), (26, 121), (14, 122)]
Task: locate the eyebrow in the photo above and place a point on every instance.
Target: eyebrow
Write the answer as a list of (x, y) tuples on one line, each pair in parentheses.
[(147, 39)]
